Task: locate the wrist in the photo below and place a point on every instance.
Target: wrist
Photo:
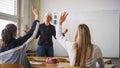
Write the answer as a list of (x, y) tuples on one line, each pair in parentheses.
[(60, 23), (37, 21), (36, 17)]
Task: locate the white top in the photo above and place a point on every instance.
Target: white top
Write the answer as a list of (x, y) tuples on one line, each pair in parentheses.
[(68, 45)]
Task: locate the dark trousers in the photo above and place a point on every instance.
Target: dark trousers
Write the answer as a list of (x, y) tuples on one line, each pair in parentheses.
[(45, 50)]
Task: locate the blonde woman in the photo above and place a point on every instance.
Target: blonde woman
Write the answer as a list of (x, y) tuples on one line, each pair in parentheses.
[(81, 52)]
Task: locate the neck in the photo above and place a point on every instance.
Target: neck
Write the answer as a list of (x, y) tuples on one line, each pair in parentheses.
[(47, 24)]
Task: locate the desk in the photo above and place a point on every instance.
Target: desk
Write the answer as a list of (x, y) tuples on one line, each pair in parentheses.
[(43, 59), (41, 62), (10, 66), (45, 66), (61, 64)]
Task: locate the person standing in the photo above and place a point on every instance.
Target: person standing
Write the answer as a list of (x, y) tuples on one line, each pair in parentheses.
[(45, 43)]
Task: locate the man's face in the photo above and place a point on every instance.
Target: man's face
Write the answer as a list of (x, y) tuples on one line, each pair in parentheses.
[(48, 19)]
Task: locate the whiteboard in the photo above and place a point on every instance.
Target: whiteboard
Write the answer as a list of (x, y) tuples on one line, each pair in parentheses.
[(104, 28)]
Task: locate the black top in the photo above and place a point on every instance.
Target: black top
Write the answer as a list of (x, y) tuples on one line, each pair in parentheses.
[(46, 33), (17, 42)]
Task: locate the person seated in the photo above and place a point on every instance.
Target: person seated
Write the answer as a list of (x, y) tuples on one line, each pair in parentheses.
[(13, 51), (81, 51)]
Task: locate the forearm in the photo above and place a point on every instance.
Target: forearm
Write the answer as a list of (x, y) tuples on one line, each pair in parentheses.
[(36, 17), (32, 37), (60, 38), (32, 29), (59, 31), (23, 39)]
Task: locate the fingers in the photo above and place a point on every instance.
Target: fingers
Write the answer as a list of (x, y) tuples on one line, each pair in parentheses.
[(35, 12), (63, 17), (64, 14), (33, 8)]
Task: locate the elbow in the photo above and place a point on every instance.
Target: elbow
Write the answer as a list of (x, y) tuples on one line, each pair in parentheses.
[(102, 65)]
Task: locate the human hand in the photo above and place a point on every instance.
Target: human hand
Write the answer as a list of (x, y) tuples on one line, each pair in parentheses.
[(35, 12), (62, 17), (66, 30), (51, 60)]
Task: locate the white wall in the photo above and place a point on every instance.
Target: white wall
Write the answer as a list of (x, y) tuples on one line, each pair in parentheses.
[(102, 16)]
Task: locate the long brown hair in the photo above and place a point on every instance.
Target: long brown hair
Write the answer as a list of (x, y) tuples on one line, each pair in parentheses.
[(8, 32), (83, 46)]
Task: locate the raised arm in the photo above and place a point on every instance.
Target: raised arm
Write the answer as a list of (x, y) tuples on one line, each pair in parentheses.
[(59, 35), (23, 39), (63, 18), (36, 13)]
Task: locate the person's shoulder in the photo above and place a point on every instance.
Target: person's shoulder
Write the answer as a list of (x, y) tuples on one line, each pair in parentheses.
[(42, 24), (96, 48), (97, 51), (52, 25)]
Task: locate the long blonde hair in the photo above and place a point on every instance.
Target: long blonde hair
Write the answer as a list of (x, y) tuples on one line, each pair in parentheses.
[(83, 46)]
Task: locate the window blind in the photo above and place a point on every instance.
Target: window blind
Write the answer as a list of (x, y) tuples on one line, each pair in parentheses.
[(8, 13), (8, 7)]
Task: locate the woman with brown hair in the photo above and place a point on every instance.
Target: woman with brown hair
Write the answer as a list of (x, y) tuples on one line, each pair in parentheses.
[(13, 49), (81, 52)]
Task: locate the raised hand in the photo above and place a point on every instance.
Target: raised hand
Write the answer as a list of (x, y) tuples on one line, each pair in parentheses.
[(62, 17), (35, 12)]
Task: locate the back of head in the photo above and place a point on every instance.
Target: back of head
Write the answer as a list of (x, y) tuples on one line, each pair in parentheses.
[(83, 46), (8, 33)]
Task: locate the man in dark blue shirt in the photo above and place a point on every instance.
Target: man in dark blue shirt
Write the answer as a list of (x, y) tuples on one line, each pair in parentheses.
[(45, 43)]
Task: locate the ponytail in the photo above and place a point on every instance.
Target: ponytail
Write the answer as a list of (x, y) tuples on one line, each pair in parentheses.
[(8, 33)]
